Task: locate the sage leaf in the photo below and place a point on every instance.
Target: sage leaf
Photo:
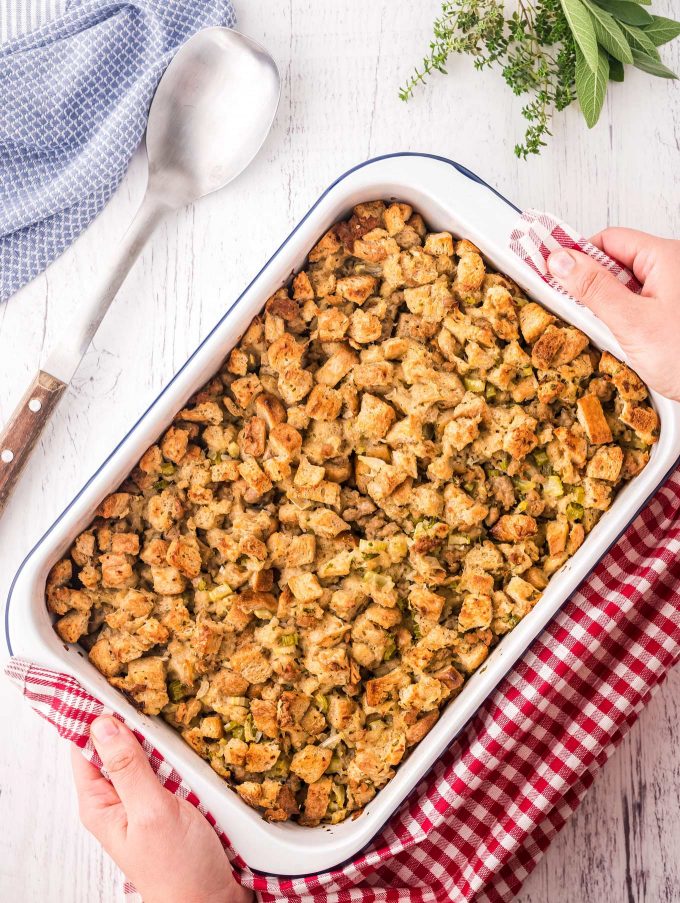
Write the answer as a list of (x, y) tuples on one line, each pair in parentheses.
[(662, 30), (649, 64), (591, 87), (626, 11), (639, 40), (581, 25), (608, 33), (616, 73)]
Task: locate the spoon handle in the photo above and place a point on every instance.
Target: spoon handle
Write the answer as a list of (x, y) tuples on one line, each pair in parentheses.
[(24, 428)]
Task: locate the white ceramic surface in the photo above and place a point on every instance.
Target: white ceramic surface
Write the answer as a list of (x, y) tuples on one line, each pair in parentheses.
[(449, 198)]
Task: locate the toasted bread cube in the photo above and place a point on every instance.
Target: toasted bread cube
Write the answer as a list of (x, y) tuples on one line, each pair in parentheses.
[(72, 626), (336, 367), (598, 494), (375, 417), (476, 611), (255, 477), (365, 327), (174, 444), (628, 384), (514, 527), (324, 403), (438, 243), (469, 272), (305, 587), (533, 321), (332, 324), (642, 419), (311, 762), (318, 797), (356, 288), (574, 343), (302, 287), (547, 348), (591, 417), (294, 384), (521, 592), (308, 474), (396, 216), (556, 533), (261, 756), (285, 441), (606, 463), (329, 244), (246, 389), (167, 580), (116, 505)]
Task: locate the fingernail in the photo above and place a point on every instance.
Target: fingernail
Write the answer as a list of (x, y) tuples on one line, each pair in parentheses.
[(104, 729), (561, 263)]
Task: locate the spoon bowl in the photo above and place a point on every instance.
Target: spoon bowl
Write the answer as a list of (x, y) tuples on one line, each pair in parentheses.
[(210, 115)]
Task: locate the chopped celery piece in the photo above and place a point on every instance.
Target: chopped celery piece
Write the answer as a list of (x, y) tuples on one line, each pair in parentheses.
[(540, 457), (250, 732), (232, 726), (372, 546), (238, 733), (521, 507), (167, 469), (160, 484), (177, 690), (233, 450), (219, 592), (473, 384), (263, 614), (554, 487), (236, 700), (390, 649), (288, 639), (201, 585), (335, 765), (459, 539), (579, 494), (524, 486), (490, 391), (321, 702), (574, 511)]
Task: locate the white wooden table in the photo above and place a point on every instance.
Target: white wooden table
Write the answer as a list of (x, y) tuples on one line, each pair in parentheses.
[(341, 65)]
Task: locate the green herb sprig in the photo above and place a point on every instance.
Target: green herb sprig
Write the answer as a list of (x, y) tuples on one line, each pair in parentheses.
[(551, 52)]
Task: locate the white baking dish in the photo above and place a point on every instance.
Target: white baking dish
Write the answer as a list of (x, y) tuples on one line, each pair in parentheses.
[(450, 198)]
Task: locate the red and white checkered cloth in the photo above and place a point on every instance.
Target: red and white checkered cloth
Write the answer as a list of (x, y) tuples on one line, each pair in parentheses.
[(478, 823)]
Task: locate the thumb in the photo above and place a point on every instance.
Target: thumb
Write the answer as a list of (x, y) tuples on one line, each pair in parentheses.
[(128, 768), (593, 285)]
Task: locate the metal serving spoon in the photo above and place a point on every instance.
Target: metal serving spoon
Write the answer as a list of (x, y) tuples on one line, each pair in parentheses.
[(211, 113)]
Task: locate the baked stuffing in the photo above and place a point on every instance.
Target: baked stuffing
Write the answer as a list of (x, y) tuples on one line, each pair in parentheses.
[(339, 527)]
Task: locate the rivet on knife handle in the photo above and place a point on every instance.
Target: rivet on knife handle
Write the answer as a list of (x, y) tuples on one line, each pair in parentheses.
[(24, 428)]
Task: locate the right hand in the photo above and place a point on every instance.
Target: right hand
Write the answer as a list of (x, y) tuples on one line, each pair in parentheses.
[(647, 326)]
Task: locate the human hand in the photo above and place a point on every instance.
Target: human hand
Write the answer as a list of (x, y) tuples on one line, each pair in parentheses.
[(647, 326), (162, 843)]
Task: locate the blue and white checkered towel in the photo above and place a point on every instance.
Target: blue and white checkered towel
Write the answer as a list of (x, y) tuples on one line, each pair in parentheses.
[(74, 97)]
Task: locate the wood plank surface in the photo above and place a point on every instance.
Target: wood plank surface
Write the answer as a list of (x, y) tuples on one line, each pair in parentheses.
[(342, 64)]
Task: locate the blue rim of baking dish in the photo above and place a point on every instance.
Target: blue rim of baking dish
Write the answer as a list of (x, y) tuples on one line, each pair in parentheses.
[(464, 171)]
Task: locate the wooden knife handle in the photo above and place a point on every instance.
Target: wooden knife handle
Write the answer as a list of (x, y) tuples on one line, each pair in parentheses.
[(24, 427)]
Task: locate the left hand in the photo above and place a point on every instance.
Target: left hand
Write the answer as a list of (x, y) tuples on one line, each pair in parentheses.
[(162, 843)]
